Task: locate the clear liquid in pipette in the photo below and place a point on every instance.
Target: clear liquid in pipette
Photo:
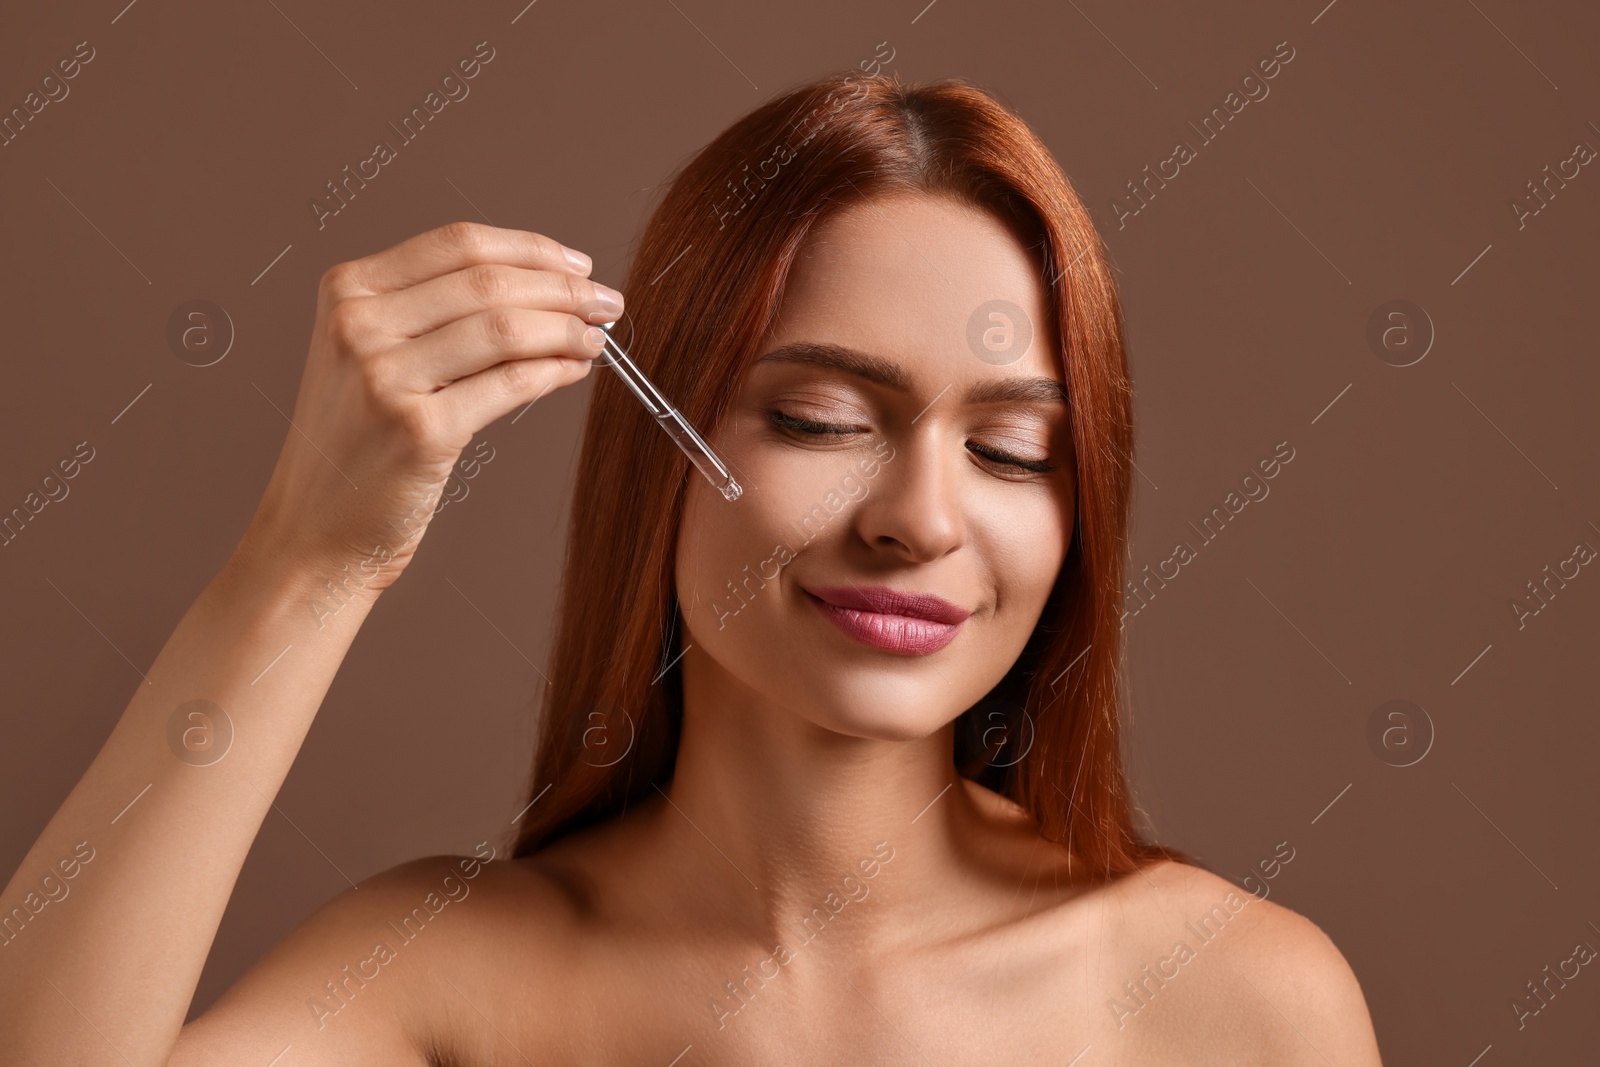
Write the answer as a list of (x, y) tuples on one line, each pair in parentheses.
[(689, 442), (672, 421)]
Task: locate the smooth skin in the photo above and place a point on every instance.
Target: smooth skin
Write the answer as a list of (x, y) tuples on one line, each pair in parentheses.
[(814, 773)]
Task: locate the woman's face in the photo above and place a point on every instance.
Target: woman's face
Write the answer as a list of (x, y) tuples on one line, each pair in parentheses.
[(905, 429)]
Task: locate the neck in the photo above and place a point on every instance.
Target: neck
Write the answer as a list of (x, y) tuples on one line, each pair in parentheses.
[(778, 826)]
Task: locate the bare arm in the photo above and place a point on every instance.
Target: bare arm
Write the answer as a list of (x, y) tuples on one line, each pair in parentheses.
[(109, 969), (107, 922)]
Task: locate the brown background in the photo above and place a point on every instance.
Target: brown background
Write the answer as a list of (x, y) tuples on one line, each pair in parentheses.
[(1382, 564)]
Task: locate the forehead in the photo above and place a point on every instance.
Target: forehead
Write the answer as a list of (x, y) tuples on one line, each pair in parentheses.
[(927, 280)]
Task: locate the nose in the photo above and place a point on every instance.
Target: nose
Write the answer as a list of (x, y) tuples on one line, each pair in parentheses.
[(914, 506)]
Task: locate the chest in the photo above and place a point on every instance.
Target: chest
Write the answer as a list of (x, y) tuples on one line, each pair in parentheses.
[(686, 1008)]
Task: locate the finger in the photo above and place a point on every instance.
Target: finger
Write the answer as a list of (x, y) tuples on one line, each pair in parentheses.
[(467, 406), (450, 248), (479, 341), (430, 304)]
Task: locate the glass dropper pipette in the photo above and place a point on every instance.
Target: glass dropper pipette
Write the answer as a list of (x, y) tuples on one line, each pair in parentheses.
[(669, 418)]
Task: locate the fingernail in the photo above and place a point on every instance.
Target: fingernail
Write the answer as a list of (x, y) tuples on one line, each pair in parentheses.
[(609, 299), (578, 260)]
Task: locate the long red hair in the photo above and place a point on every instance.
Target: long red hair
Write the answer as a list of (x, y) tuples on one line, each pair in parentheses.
[(705, 283)]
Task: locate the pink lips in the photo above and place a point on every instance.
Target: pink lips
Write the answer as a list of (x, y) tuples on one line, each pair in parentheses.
[(910, 623)]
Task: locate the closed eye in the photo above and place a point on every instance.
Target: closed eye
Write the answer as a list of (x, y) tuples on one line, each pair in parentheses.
[(794, 424)]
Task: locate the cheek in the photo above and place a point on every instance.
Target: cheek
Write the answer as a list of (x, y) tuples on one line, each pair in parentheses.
[(728, 548), (1026, 542), (726, 551), (706, 542)]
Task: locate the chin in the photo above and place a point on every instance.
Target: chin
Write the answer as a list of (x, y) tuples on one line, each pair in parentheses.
[(870, 704)]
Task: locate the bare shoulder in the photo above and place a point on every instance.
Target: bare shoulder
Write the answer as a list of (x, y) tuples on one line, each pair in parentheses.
[(1255, 981), (385, 972)]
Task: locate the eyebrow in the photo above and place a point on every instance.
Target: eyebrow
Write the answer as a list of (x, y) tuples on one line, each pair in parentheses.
[(883, 372)]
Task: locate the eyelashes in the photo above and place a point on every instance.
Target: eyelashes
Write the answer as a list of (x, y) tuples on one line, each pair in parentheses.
[(785, 421), (814, 429), (1035, 466)]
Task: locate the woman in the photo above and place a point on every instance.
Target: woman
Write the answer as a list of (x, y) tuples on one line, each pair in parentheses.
[(827, 774)]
